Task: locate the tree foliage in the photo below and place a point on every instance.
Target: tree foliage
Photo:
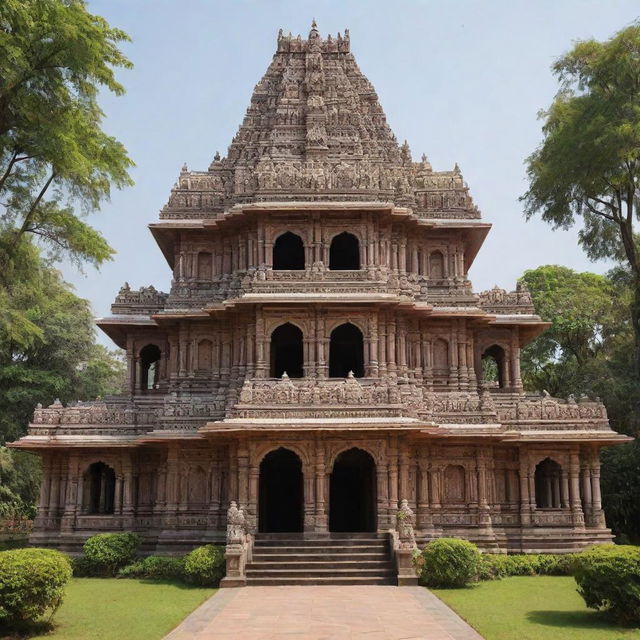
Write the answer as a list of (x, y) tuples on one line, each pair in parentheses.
[(56, 163), (588, 165), (589, 349)]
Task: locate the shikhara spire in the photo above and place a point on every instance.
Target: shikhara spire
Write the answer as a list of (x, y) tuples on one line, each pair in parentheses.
[(315, 130)]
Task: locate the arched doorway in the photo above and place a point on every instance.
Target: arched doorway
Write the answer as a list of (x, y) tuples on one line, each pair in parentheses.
[(280, 498), (288, 252), (346, 351), (352, 492), (149, 367), (286, 351), (344, 253)]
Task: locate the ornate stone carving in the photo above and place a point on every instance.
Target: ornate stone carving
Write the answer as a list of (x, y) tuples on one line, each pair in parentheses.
[(405, 521), (236, 524), (498, 300)]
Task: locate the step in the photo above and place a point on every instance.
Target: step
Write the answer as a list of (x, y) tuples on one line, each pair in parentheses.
[(320, 550), (382, 565), (318, 573), (370, 535), (313, 581), (259, 542), (259, 556)]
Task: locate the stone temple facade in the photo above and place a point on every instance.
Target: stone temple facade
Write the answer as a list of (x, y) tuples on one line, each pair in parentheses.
[(321, 355)]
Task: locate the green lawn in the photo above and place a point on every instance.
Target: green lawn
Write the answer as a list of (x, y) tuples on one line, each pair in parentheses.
[(531, 608), (110, 609)]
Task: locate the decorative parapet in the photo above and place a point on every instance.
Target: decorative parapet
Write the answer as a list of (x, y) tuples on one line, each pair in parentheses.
[(375, 397), (544, 410), (96, 418), (145, 300), (498, 300)]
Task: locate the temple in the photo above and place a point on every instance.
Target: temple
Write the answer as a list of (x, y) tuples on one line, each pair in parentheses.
[(321, 355)]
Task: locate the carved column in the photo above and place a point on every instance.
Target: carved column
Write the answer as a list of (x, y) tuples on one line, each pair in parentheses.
[(252, 503), (382, 477), (525, 498), (598, 513), (403, 459), (320, 482), (585, 476), (574, 490), (484, 515), (393, 474), (171, 484), (45, 489), (71, 494), (391, 350), (261, 364), (423, 513)]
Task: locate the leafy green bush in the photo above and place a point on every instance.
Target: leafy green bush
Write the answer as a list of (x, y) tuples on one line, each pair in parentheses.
[(608, 579), (31, 581), (494, 567), (108, 552), (85, 568), (448, 562), (205, 565), (155, 568)]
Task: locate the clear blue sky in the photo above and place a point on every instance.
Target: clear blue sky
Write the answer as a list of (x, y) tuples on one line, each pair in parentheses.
[(461, 81)]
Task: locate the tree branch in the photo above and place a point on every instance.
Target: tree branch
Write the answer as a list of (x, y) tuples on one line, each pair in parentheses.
[(34, 206), (5, 175)]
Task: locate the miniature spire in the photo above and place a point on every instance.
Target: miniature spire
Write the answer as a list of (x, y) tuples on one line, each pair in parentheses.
[(405, 152), (184, 169), (456, 169)]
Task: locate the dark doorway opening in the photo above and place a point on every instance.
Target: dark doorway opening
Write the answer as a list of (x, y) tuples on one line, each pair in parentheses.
[(346, 352), (288, 252), (149, 367), (344, 253), (99, 489), (280, 492), (352, 492), (286, 351)]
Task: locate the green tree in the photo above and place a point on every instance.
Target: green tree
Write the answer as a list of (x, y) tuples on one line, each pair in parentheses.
[(588, 164), (56, 163)]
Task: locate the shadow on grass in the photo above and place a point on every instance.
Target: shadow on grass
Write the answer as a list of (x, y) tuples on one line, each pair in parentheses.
[(23, 631), (574, 619)]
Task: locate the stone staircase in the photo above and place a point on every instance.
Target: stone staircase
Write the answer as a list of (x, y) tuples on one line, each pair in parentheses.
[(332, 559)]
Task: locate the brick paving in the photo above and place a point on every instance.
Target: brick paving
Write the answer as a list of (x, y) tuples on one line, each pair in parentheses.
[(324, 613)]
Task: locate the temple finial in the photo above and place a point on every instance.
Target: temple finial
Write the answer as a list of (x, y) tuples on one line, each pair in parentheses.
[(314, 24)]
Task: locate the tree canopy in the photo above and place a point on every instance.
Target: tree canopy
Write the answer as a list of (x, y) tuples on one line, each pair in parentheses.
[(588, 165), (56, 163)]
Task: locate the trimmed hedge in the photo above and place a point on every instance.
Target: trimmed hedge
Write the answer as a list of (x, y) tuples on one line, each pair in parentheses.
[(205, 566), (105, 553), (448, 562), (155, 568), (494, 567), (608, 579), (31, 582)]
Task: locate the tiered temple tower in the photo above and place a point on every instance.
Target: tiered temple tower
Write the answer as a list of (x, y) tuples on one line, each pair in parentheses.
[(321, 354)]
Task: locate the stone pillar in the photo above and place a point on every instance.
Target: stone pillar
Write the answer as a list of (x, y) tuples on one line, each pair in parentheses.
[(598, 513), (252, 504), (484, 514), (424, 519), (71, 494), (564, 489), (391, 352), (308, 496), (577, 515), (403, 459), (45, 490), (321, 524), (382, 478), (525, 498)]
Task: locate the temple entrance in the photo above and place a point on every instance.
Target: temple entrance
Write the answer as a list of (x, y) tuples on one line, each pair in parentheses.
[(352, 492), (280, 506)]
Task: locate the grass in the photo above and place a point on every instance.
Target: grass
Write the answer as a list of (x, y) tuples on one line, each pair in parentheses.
[(531, 608), (110, 609)]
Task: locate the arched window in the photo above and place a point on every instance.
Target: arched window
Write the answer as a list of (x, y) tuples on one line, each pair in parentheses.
[(286, 351), (344, 253), (441, 356), (288, 252), (204, 266), (436, 265), (346, 351), (149, 367), (493, 366), (99, 489), (547, 479), (454, 484), (205, 352)]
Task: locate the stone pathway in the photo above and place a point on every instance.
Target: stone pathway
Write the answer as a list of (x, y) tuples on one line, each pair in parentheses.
[(324, 613)]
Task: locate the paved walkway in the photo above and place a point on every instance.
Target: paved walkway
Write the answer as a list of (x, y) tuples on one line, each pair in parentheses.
[(324, 613)]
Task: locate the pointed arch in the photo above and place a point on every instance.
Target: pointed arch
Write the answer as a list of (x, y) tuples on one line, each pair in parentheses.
[(288, 252), (287, 352), (346, 351), (344, 252)]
